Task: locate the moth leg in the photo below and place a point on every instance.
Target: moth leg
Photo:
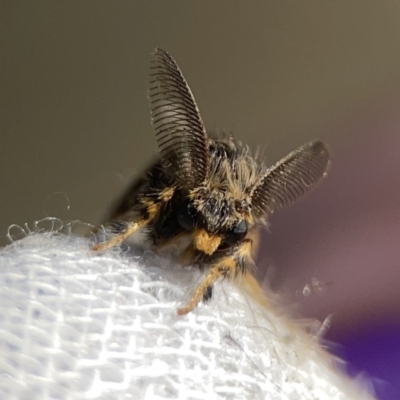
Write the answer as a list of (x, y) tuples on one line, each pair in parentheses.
[(125, 229), (228, 266)]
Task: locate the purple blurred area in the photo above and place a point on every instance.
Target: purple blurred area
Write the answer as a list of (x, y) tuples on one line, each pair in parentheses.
[(374, 352), (337, 253)]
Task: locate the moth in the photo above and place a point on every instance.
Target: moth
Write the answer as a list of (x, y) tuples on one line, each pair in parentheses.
[(211, 191)]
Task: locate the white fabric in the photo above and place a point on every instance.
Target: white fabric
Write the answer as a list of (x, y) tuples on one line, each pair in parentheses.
[(78, 325)]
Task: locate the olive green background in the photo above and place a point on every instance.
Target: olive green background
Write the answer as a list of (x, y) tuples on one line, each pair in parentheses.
[(75, 127)]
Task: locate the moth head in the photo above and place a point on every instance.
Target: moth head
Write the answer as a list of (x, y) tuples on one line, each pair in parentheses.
[(214, 218), (223, 216)]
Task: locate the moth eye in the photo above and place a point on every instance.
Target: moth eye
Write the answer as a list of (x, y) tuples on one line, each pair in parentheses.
[(187, 216), (200, 196), (239, 205), (237, 233)]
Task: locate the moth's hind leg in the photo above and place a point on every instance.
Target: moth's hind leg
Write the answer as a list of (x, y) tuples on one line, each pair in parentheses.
[(236, 263), (121, 231)]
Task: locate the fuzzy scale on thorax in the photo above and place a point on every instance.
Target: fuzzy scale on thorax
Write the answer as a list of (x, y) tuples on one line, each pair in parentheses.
[(225, 195)]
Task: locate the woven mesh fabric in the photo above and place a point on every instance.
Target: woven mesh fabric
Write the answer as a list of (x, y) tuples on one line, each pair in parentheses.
[(77, 325)]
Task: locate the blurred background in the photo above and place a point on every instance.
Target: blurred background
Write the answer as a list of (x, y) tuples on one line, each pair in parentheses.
[(75, 130)]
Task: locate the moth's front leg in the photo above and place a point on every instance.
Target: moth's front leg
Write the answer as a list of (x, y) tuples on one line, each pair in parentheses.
[(123, 229), (144, 212), (237, 262)]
